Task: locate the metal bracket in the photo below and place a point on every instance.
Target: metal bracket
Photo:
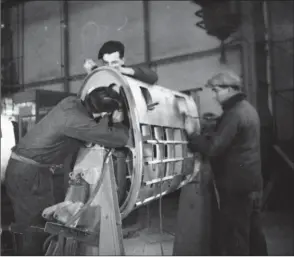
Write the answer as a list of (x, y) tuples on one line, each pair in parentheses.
[(199, 13), (148, 99), (81, 235), (201, 25), (20, 229), (151, 106)]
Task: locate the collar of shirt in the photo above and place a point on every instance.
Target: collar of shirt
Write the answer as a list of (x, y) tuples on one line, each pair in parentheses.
[(233, 101)]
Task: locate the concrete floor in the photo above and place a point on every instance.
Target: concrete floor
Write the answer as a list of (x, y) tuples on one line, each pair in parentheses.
[(145, 237), (278, 219), (279, 228)]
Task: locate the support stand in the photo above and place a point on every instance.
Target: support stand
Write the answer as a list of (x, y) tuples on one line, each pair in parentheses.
[(98, 230)]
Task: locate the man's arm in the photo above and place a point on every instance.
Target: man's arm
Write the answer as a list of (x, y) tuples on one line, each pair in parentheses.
[(221, 139), (143, 74), (86, 129), (146, 75)]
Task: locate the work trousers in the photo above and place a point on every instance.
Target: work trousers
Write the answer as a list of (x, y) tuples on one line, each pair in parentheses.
[(240, 224), (30, 189)]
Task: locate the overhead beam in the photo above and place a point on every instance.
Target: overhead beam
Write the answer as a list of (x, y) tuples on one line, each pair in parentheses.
[(162, 61), (12, 3)]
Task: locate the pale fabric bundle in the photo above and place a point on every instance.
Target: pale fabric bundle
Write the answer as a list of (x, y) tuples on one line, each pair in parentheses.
[(7, 142)]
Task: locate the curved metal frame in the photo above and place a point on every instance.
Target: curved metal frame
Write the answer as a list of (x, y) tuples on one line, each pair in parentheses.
[(131, 201), (137, 151)]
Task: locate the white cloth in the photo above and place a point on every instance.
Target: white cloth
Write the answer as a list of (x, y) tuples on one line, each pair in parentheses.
[(7, 142)]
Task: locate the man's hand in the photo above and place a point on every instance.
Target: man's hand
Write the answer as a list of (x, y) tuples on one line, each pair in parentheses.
[(208, 123), (89, 65), (126, 70), (117, 116), (190, 125)]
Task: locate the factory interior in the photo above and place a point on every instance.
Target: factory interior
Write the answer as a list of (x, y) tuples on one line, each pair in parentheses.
[(142, 210)]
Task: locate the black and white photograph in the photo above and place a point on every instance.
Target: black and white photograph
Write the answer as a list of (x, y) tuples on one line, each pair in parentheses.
[(147, 127)]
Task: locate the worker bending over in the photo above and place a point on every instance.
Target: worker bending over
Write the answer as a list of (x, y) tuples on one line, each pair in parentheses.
[(112, 54), (234, 151), (68, 126)]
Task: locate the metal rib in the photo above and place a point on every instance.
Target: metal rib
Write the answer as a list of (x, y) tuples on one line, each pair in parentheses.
[(167, 160), (150, 198), (165, 142), (157, 180)]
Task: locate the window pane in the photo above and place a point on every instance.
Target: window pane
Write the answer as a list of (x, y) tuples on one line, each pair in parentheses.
[(173, 30), (42, 43), (91, 23)]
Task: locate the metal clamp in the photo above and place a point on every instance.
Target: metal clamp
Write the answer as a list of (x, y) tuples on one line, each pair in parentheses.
[(82, 235), (20, 229)]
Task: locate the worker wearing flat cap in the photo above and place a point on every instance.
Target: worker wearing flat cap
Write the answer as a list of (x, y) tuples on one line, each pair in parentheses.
[(67, 127), (234, 153)]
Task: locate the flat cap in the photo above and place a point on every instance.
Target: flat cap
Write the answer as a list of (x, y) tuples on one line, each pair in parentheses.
[(226, 78)]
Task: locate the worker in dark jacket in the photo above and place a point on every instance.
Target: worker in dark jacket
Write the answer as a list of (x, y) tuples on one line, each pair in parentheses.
[(112, 54), (234, 152), (68, 126)]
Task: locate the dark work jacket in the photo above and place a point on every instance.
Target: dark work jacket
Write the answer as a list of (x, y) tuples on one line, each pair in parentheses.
[(234, 148), (64, 130), (145, 75)]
